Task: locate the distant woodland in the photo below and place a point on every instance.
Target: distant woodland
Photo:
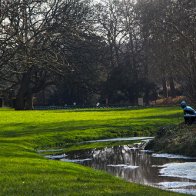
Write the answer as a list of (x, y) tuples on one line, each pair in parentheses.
[(60, 52)]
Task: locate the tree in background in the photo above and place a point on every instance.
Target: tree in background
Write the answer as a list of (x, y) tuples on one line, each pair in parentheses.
[(82, 85), (119, 24), (171, 31), (36, 36), (85, 52)]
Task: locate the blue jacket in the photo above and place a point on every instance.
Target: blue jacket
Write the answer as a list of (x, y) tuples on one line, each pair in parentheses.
[(189, 111)]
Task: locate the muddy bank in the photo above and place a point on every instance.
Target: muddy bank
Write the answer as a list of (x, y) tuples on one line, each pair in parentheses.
[(179, 139)]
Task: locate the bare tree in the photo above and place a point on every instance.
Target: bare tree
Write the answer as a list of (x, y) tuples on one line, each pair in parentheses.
[(34, 45)]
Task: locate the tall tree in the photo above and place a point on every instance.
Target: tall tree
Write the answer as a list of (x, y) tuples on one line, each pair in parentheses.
[(36, 38)]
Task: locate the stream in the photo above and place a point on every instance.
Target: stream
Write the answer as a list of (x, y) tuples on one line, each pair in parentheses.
[(166, 171)]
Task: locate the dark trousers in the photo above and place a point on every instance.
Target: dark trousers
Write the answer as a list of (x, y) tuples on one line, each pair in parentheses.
[(189, 120)]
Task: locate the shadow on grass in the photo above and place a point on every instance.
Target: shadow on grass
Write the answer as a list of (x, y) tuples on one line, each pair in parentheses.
[(25, 129), (108, 109), (131, 124)]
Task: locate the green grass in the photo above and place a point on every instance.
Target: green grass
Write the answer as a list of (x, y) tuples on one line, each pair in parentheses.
[(24, 172)]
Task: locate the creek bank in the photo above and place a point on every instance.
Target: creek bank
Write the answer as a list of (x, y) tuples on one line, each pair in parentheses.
[(133, 164), (180, 139)]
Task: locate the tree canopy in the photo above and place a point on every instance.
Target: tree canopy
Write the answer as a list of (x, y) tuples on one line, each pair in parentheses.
[(87, 51)]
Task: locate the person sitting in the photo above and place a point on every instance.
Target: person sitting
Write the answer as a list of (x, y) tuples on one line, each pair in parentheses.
[(189, 113)]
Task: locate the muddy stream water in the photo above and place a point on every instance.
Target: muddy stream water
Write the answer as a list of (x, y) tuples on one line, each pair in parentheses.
[(166, 171)]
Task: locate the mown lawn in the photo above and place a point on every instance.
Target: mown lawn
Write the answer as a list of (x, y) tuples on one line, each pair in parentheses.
[(24, 172)]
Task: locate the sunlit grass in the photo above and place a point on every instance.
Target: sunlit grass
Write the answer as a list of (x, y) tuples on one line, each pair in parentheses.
[(25, 172)]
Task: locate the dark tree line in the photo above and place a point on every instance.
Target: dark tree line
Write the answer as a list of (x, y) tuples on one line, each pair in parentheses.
[(153, 46), (86, 52)]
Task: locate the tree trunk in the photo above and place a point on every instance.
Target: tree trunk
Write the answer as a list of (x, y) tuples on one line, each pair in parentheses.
[(20, 102), (146, 97), (22, 92), (172, 87), (29, 102), (164, 84)]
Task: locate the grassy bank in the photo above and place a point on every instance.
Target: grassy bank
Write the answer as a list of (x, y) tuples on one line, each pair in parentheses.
[(179, 139), (25, 172)]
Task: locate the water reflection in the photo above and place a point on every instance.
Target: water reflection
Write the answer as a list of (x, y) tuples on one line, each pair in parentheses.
[(135, 165)]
